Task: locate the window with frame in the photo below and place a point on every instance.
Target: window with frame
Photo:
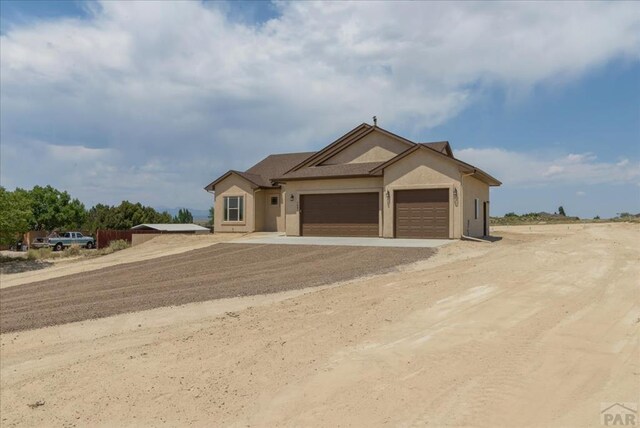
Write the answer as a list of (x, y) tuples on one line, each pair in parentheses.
[(274, 200), (233, 208), (477, 208)]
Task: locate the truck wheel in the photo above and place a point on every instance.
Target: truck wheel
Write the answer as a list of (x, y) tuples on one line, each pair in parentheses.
[(89, 245), (58, 247)]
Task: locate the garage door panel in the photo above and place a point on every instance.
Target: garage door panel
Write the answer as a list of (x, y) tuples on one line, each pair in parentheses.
[(422, 213), (341, 214)]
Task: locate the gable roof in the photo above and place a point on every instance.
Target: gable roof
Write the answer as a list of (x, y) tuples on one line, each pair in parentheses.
[(262, 173), (348, 138), (345, 141), (274, 169), (432, 147)]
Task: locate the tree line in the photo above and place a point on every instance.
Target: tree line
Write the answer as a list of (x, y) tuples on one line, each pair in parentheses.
[(47, 208)]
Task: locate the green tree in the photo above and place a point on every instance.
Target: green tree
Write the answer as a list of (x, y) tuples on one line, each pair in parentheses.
[(183, 216), (212, 216), (53, 209), (561, 211), (15, 214), (123, 216)]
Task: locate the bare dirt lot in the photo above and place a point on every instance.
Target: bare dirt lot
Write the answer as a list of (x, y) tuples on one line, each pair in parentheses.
[(537, 329), (159, 246), (219, 271)]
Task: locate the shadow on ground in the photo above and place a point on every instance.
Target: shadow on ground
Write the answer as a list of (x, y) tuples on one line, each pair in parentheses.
[(21, 265)]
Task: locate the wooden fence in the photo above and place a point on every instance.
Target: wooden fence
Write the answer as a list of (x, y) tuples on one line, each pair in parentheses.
[(104, 237)]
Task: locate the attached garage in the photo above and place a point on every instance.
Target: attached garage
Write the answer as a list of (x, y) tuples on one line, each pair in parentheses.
[(422, 213), (340, 214)]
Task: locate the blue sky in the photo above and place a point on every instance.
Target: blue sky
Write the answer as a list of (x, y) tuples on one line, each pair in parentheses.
[(151, 101)]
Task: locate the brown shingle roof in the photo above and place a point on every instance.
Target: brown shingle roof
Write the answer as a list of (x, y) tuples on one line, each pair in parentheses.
[(274, 166), (328, 171), (261, 174), (440, 146)]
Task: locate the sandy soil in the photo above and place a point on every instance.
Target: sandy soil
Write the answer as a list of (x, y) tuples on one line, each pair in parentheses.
[(534, 330), (157, 247), (218, 271)]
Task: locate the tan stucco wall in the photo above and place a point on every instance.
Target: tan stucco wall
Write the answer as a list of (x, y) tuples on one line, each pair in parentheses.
[(373, 147), (259, 197), (234, 186), (345, 185), (273, 216), (422, 170), (472, 189)]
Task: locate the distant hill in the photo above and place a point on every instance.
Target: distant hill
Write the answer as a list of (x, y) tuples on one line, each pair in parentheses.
[(544, 217)]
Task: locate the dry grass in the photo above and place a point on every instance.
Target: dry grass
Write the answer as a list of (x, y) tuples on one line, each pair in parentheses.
[(76, 251)]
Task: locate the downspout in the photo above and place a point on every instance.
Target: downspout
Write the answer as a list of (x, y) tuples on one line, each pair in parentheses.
[(462, 203)]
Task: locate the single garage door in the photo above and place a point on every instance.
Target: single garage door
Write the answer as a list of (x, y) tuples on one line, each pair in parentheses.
[(422, 213), (342, 214)]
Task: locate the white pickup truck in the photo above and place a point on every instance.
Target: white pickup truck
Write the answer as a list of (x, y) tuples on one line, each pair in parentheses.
[(67, 239)]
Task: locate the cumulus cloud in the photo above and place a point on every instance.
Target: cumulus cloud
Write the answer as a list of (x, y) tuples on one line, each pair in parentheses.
[(522, 169), (171, 94)]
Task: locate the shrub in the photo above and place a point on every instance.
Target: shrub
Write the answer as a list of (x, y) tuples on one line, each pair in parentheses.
[(118, 244), (39, 254), (73, 250)]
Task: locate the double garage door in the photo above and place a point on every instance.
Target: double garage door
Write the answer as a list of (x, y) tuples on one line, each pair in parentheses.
[(339, 214), (420, 213)]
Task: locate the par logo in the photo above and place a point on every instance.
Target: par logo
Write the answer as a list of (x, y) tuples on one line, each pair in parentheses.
[(619, 414)]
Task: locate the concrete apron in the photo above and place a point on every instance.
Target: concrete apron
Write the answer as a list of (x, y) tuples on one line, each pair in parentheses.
[(276, 238)]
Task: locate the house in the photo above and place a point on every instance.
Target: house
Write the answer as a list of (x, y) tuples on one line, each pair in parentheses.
[(172, 228), (369, 182)]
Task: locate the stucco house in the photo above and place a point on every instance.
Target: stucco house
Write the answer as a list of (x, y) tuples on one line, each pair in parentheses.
[(369, 182)]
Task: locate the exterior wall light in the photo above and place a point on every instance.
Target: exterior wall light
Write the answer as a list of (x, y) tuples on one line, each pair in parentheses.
[(455, 196), (388, 195), (291, 197)]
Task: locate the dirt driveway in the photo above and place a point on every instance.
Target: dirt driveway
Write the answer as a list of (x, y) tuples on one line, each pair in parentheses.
[(218, 271), (536, 330)]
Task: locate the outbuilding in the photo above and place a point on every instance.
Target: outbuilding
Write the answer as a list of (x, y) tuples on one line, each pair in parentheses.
[(172, 228)]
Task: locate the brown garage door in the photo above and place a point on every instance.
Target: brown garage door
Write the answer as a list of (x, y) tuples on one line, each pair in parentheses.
[(422, 213), (343, 214)]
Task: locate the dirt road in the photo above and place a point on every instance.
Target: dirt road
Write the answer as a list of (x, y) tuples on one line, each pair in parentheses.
[(218, 271), (535, 330)]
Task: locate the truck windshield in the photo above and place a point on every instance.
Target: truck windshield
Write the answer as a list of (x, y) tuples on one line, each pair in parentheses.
[(66, 235)]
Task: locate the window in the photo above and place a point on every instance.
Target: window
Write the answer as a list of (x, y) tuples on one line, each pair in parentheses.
[(233, 208), (476, 208), (79, 235), (274, 200)]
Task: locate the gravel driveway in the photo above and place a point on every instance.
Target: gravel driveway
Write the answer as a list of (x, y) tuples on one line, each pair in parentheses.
[(219, 271)]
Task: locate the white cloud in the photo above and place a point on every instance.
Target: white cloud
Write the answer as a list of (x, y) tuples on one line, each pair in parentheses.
[(522, 169), (177, 92)]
